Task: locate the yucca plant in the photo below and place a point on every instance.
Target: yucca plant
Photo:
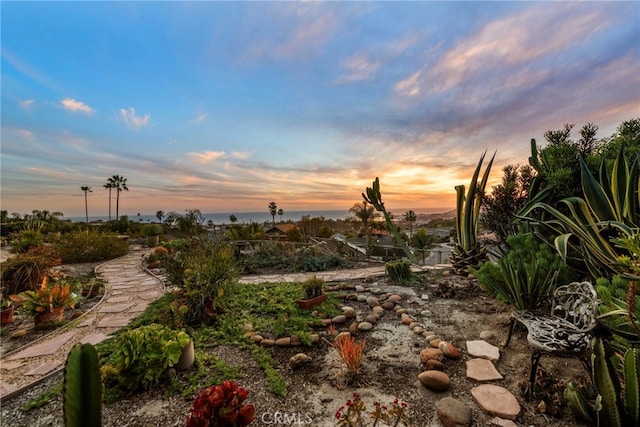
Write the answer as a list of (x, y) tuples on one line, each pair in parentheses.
[(467, 251), (374, 197)]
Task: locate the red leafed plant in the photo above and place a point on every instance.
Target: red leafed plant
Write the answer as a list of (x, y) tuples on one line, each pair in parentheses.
[(221, 406), (351, 353)]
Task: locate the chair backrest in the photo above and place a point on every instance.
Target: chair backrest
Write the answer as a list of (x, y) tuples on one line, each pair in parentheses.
[(576, 303)]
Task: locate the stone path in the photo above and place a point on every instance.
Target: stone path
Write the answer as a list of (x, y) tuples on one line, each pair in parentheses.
[(128, 291)]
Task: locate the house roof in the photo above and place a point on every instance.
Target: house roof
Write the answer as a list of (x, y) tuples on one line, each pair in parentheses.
[(282, 228)]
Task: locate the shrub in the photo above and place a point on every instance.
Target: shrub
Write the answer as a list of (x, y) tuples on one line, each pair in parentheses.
[(23, 273), (141, 356), (152, 230), (399, 271), (26, 240), (526, 274), (89, 246), (312, 287), (221, 405), (208, 269), (351, 353)]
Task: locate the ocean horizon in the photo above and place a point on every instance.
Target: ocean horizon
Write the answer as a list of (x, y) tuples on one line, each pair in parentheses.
[(248, 217)]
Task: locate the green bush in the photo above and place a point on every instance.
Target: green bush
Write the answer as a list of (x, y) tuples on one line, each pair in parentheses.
[(399, 271), (208, 269), (89, 246), (141, 356), (26, 240), (152, 230), (526, 274), (23, 273)]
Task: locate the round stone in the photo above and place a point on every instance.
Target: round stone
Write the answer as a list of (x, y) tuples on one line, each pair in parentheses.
[(339, 319), (449, 350), (394, 298), (298, 360), (257, 338), (418, 330), (372, 318), (314, 338), (413, 325), (295, 340), (431, 353), (426, 313), (283, 342), (401, 311), (378, 310), (431, 337), (373, 302), (433, 364), (247, 327), (268, 342), (452, 412), (388, 305), (360, 289), (435, 342), (407, 320), (365, 326), (19, 334), (434, 380), (349, 312), (487, 335)]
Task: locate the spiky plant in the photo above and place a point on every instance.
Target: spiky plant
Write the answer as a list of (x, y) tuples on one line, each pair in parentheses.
[(467, 251)]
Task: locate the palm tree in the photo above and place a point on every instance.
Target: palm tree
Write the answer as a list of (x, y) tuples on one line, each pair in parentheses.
[(233, 218), (160, 215), (280, 214), (109, 185), (273, 210), (365, 213), (86, 205), (120, 184), (410, 216)]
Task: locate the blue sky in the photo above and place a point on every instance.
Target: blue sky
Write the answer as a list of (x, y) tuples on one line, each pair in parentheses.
[(226, 106)]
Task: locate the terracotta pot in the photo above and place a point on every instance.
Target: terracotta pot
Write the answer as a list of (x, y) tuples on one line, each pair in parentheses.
[(48, 318), (310, 303), (6, 315), (187, 358)]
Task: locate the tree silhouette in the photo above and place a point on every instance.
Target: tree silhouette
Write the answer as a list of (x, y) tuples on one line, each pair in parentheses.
[(120, 184), (233, 218), (280, 214), (109, 185), (160, 215), (273, 210), (411, 217), (86, 205), (365, 213)]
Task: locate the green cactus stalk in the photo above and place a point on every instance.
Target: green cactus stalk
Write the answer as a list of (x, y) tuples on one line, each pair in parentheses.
[(373, 197), (578, 402), (606, 382), (632, 385), (82, 392)]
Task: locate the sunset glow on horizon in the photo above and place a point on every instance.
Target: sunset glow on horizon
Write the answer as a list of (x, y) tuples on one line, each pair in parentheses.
[(226, 106)]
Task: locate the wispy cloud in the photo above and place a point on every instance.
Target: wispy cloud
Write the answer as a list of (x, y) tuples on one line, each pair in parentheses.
[(358, 68), (133, 121), (409, 86), (74, 105), (199, 119), (26, 104), (205, 157)]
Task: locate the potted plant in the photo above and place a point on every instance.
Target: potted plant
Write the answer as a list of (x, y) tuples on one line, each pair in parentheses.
[(92, 288), (6, 310), (153, 232), (47, 304), (313, 295)]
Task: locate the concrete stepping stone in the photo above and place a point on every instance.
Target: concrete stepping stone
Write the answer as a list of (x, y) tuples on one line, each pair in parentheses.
[(481, 348), (497, 421), (86, 323), (93, 339), (139, 308), (116, 308), (6, 388), (43, 368), (44, 348), (496, 400), (482, 370), (149, 295), (10, 366), (121, 287), (113, 322), (118, 299)]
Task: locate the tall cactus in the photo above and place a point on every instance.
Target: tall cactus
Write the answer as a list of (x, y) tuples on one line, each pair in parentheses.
[(374, 198), (607, 385), (632, 385), (82, 393)]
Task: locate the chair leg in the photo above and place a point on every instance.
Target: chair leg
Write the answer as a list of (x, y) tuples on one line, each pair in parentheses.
[(511, 328), (535, 358)]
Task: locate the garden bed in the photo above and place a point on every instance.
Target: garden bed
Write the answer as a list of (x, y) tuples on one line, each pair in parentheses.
[(458, 311)]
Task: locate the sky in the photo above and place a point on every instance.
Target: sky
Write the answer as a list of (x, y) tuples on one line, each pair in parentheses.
[(227, 106)]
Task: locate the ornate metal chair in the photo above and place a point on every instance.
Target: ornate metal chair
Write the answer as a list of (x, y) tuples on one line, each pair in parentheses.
[(566, 331)]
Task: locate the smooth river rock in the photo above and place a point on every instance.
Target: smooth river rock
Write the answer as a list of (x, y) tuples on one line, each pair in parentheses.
[(434, 380)]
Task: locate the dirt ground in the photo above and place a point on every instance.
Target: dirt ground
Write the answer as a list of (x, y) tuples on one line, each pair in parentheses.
[(455, 308)]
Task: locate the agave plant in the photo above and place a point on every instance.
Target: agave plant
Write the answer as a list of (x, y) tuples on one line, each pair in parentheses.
[(467, 251), (609, 209)]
